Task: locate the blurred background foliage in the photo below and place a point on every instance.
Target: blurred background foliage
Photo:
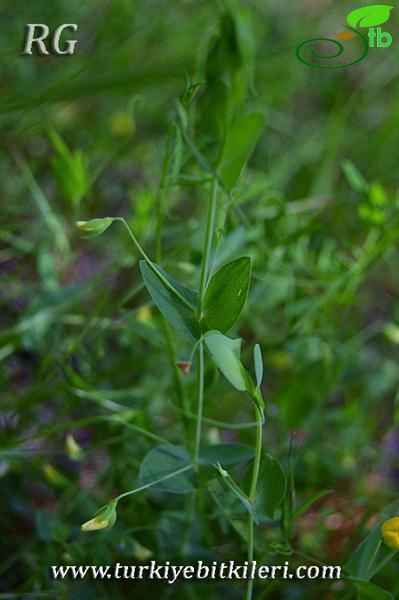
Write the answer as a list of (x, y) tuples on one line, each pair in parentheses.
[(87, 389)]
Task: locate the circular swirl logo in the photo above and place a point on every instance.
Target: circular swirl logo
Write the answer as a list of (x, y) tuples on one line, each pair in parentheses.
[(340, 50)]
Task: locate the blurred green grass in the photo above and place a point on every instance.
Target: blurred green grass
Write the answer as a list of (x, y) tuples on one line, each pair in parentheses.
[(78, 353)]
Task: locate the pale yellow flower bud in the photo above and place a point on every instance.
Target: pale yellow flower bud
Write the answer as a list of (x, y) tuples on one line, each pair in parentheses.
[(94, 227), (73, 450), (104, 517)]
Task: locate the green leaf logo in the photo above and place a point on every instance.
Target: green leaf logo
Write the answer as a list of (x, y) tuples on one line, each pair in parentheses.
[(370, 16)]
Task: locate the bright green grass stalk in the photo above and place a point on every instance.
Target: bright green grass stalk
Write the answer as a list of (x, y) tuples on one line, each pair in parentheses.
[(209, 234), (252, 494)]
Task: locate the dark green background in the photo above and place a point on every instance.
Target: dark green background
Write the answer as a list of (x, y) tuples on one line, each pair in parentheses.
[(323, 302)]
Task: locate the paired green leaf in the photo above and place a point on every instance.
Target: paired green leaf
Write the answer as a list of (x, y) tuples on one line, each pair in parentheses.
[(171, 306), (94, 227), (271, 487), (240, 142), (226, 353), (226, 294), (227, 455), (163, 461), (369, 16)]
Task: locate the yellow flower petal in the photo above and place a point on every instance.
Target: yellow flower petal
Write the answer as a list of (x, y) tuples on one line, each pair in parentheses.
[(390, 533), (95, 524), (73, 450), (144, 314)]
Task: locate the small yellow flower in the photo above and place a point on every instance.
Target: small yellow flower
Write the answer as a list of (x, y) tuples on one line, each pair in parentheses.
[(73, 450), (390, 533), (142, 553), (54, 477), (144, 315), (104, 517), (122, 124), (94, 524)]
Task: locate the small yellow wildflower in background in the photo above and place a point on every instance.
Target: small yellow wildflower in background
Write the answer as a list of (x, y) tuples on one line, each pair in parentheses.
[(144, 315), (122, 123), (390, 533), (54, 477), (73, 450), (141, 552)]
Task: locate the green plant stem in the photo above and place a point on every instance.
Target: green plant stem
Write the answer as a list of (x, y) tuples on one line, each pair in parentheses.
[(200, 407), (209, 233), (152, 483), (180, 393), (179, 388), (159, 227), (252, 494), (289, 514), (216, 423), (160, 199)]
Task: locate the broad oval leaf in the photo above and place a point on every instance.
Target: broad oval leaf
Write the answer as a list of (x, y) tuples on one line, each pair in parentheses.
[(226, 294), (227, 455), (170, 305), (225, 353), (163, 461), (271, 487), (241, 140), (369, 16)]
